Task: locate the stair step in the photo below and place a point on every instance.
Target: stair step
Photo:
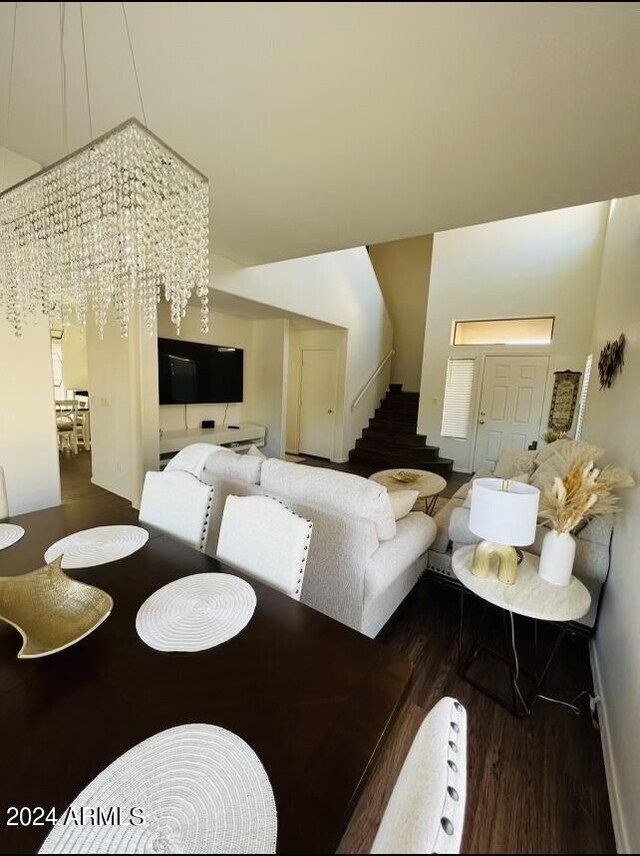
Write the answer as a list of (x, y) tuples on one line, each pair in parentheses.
[(396, 416), (416, 453), (393, 429), (440, 466), (389, 436), (402, 396), (398, 403)]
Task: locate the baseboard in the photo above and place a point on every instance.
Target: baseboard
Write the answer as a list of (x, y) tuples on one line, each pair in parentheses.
[(619, 828)]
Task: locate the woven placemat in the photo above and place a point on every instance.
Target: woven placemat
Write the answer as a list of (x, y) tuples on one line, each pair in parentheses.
[(196, 612), (198, 788), (9, 534), (97, 546)]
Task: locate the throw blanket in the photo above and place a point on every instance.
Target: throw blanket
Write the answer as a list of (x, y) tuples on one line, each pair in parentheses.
[(192, 459)]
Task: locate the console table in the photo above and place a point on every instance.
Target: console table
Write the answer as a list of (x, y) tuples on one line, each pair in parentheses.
[(239, 439)]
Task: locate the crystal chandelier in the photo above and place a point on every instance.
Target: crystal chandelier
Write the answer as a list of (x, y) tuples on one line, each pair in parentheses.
[(122, 221)]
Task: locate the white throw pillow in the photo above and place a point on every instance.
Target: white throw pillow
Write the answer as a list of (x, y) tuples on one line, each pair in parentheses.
[(513, 462), (254, 452), (402, 501)]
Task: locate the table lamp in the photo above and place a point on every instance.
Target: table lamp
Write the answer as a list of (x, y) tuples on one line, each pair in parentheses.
[(505, 514)]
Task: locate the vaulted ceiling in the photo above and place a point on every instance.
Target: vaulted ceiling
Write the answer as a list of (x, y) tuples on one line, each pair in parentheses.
[(329, 125)]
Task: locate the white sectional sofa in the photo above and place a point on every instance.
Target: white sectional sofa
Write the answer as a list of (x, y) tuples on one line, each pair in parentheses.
[(362, 562)]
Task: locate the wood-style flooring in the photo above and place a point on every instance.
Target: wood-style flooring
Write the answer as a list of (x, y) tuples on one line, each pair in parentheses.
[(535, 785)]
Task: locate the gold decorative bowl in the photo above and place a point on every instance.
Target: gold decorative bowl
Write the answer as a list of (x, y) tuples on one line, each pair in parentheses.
[(405, 477), (50, 610)]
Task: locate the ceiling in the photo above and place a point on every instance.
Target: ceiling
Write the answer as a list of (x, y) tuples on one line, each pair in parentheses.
[(330, 125)]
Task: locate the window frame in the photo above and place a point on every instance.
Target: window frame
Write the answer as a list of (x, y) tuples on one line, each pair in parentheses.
[(459, 321)]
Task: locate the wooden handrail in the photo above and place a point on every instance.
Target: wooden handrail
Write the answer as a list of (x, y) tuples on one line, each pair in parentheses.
[(357, 399)]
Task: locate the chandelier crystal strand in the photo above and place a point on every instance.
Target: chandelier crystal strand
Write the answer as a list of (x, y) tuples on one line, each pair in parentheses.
[(117, 224)]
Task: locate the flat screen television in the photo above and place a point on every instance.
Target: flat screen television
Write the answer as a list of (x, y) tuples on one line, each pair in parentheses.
[(191, 373)]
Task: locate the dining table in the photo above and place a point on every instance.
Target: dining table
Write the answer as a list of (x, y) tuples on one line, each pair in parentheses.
[(313, 698)]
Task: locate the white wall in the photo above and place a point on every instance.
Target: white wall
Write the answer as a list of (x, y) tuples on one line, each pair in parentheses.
[(611, 421), (269, 376), (227, 330), (28, 450), (544, 264), (338, 288), (123, 390), (75, 370), (332, 339), (403, 269)]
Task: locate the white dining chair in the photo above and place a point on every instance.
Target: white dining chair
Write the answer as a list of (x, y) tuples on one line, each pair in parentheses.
[(179, 504), (67, 425), (425, 813), (262, 537)]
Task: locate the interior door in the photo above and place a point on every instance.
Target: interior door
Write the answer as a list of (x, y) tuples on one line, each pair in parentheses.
[(510, 406), (318, 386)]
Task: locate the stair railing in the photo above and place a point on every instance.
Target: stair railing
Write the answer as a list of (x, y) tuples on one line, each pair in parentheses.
[(356, 401)]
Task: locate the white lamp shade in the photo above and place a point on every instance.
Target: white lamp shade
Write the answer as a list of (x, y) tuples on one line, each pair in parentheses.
[(504, 516)]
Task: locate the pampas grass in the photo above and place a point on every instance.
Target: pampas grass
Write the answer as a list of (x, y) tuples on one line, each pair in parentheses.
[(584, 491)]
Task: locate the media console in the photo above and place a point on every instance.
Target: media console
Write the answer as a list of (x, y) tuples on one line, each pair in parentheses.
[(238, 439)]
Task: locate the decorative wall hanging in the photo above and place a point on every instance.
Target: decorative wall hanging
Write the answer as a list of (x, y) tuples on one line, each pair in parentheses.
[(611, 361), (118, 223), (563, 400)]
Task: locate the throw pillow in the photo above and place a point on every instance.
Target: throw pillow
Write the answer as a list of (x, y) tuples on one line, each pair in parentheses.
[(254, 452), (549, 450), (554, 466), (402, 501), (513, 462)]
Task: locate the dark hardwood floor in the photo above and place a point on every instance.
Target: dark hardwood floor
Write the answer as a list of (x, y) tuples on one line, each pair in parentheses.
[(535, 785), (76, 485)]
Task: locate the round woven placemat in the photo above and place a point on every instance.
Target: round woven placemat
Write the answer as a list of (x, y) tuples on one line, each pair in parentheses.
[(196, 612), (9, 534), (97, 546), (199, 789)]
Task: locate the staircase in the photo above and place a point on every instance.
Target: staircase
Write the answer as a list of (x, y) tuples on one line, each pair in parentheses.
[(392, 439)]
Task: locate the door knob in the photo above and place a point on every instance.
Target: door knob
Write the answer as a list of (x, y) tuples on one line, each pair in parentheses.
[(482, 413), (481, 421), (329, 411)]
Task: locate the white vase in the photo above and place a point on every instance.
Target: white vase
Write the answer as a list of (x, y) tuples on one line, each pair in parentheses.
[(556, 558)]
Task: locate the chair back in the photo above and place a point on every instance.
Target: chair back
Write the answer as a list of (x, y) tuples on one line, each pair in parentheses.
[(262, 537), (179, 504), (4, 499), (425, 813)]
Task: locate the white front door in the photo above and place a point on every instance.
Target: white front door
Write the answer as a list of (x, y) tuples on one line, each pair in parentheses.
[(318, 385), (510, 406)]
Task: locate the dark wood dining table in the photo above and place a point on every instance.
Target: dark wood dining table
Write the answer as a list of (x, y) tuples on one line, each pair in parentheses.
[(312, 697)]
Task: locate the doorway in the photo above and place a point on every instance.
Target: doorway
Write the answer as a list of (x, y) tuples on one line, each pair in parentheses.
[(510, 409), (317, 401)]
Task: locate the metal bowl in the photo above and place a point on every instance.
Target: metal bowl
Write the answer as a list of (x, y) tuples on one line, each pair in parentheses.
[(50, 610)]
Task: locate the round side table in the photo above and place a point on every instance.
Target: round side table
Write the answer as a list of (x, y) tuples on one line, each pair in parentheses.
[(429, 485), (529, 596)]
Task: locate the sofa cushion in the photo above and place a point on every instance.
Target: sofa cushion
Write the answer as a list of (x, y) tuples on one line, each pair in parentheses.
[(415, 535), (441, 519), (227, 464), (193, 458), (402, 501), (514, 461), (333, 490)]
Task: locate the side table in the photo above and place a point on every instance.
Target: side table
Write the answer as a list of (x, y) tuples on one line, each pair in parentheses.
[(429, 485), (531, 597)]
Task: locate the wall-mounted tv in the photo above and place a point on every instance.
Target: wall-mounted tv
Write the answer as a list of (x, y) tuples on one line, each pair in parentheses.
[(191, 373)]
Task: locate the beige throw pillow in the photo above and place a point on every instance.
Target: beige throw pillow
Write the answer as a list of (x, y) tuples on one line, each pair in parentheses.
[(554, 466), (402, 501), (254, 452), (513, 462)]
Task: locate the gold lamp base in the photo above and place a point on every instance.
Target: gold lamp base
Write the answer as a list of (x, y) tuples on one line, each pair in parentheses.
[(506, 556)]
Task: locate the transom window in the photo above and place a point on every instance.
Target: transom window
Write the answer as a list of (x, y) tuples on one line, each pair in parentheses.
[(504, 331)]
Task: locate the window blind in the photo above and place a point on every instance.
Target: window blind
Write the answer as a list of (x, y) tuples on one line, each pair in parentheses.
[(583, 395), (457, 398)]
